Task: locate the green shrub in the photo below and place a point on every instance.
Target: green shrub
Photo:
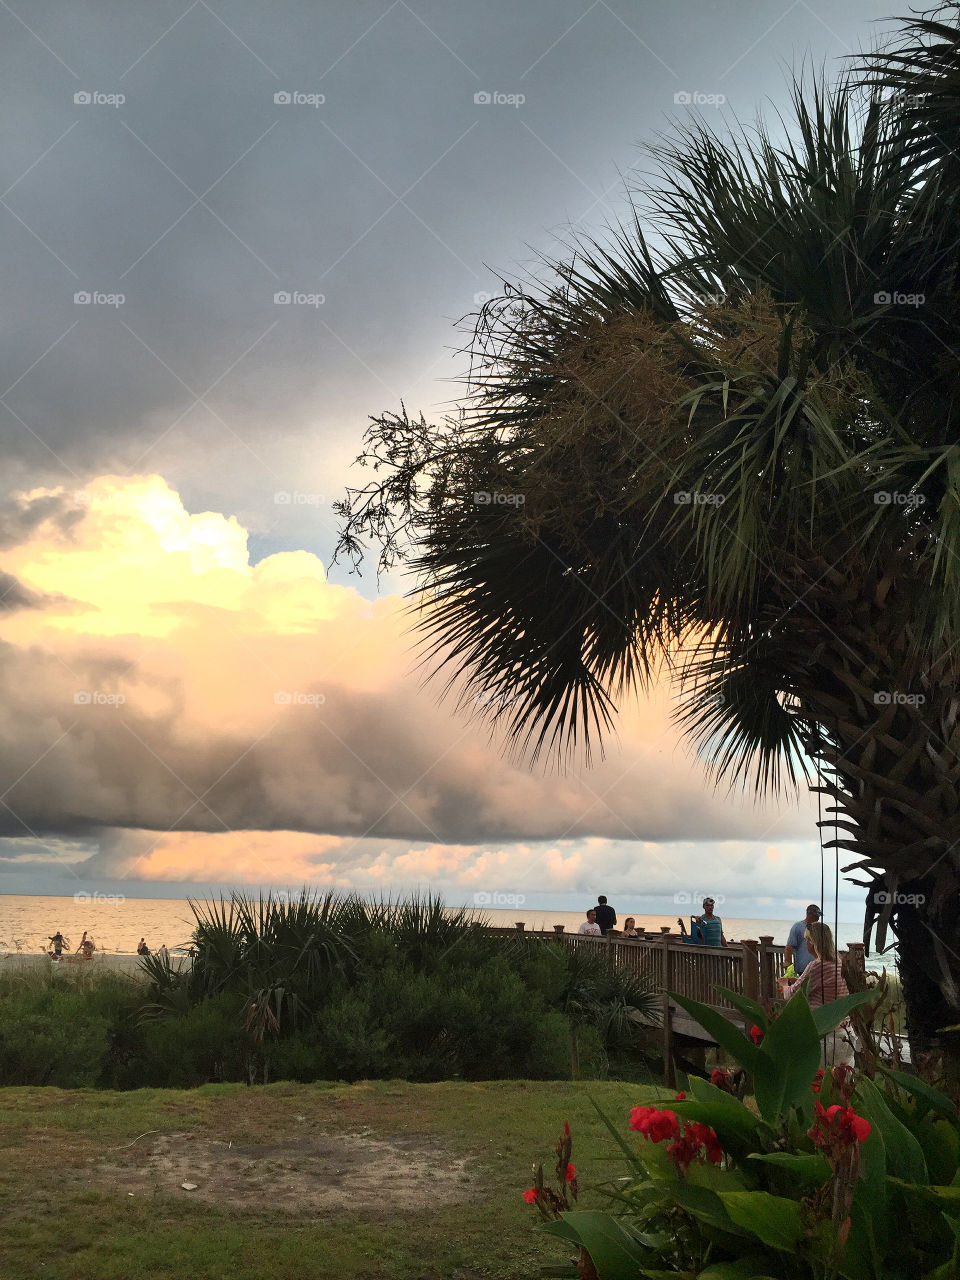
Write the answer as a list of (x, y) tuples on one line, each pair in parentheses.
[(326, 988), (201, 1046), (58, 1031)]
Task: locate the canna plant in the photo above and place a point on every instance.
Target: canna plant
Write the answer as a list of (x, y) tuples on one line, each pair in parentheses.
[(810, 1184)]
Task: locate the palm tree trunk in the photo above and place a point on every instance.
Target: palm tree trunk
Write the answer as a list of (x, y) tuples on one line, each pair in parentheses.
[(888, 736)]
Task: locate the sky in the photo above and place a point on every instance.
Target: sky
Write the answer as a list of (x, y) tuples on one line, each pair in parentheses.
[(231, 233)]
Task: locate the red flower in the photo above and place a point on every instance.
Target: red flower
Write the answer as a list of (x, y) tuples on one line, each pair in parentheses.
[(817, 1080), (679, 1097), (530, 1196), (858, 1126), (683, 1152), (698, 1142), (836, 1128), (654, 1124), (571, 1172), (756, 1035), (566, 1128)]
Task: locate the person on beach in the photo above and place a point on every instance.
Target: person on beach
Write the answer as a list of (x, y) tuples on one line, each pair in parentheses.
[(824, 982), (630, 928), (795, 952), (590, 924), (711, 926), (142, 948), (163, 953), (87, 946), (606, 916), (57, 942)]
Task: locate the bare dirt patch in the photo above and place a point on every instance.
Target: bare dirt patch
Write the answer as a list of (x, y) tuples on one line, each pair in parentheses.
[(311, 1175)]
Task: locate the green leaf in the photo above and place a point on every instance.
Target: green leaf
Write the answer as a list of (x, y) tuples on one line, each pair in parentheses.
[(863, 1254), (940, 1144), (742, 1269), (563, 1230), (703, 1091), (948, 1198), (706, 1206), (903, 1152), (774, 1219), (629, 1153), (723, 1031), (615, 1253), (787, 1062), (728, 1119), (808, 1167), (827, 1017), (919, 1089), (749, 1008)]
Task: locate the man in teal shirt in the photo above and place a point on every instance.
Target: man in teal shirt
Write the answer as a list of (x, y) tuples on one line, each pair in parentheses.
[(711, 926)]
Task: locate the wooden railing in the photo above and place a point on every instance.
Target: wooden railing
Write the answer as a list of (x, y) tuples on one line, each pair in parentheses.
[(751, 968)]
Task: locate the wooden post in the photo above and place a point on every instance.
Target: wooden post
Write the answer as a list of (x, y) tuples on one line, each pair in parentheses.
[(768, 977), (856, 958), (751, 968), (669, 1073), (558, 928), (853, 968), (520, 926)]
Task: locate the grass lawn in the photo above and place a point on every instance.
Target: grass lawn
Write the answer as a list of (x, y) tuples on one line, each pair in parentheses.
[(382, 1180)]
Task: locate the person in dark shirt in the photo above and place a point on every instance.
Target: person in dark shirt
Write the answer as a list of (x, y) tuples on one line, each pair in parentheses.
[(606, 916)]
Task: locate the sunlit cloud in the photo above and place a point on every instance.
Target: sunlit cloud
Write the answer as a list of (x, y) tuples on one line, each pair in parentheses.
[(160, 682)]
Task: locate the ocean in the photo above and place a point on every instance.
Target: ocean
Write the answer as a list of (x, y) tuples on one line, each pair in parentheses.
[(117, 923)]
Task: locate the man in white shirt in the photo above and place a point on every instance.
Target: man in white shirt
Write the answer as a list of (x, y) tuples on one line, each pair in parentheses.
[(590, 924)]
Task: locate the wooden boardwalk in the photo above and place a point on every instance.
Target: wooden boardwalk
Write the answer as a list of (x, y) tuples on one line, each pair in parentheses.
[(750, 968)]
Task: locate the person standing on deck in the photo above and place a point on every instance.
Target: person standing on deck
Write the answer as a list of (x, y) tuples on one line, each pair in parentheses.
[(606, 916), (795, 952), (711, 926), (590, 924)]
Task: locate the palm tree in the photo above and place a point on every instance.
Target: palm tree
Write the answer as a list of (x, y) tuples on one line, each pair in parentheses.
[(725, 443)]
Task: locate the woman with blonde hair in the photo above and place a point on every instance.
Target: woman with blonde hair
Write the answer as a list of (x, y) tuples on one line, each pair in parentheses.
[(824, 982)]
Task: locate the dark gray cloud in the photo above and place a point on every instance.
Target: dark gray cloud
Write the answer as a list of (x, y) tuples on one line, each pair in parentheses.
[(20, 517), (198, 198), (80, 755)]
